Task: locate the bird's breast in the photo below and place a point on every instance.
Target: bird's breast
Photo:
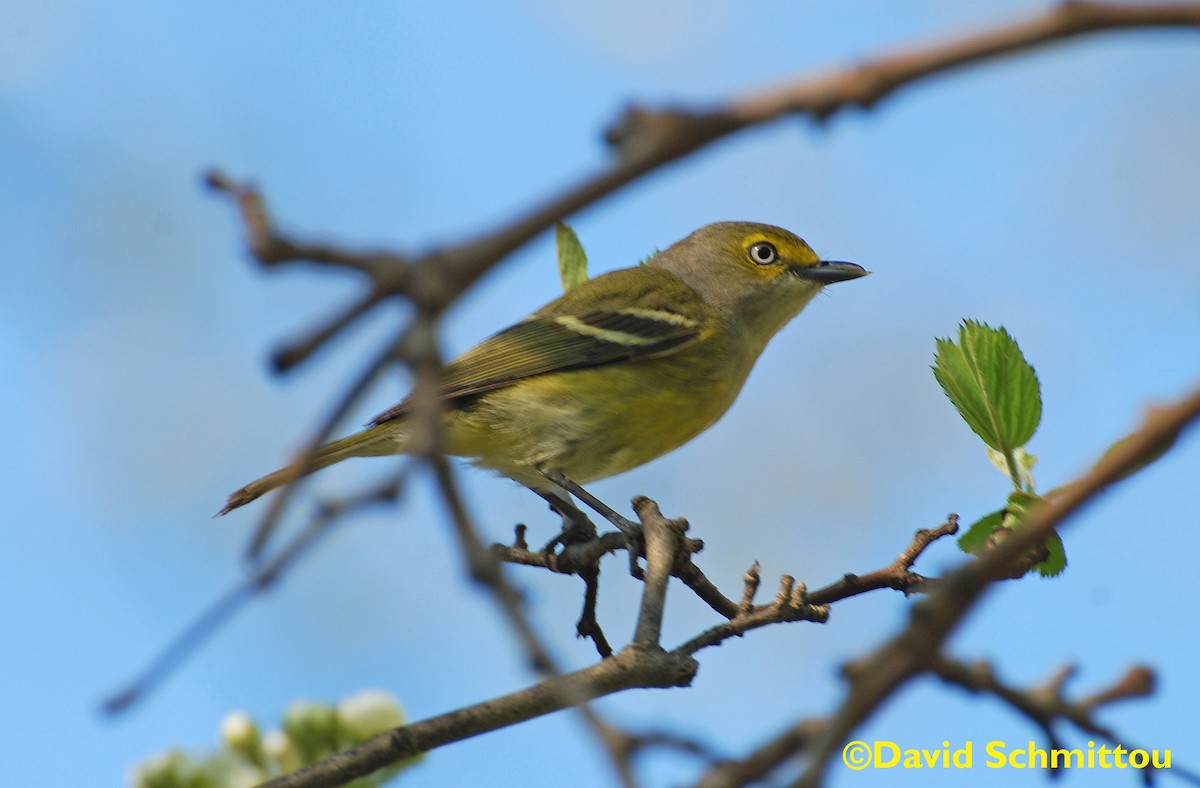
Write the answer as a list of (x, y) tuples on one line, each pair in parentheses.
[(594, 423)]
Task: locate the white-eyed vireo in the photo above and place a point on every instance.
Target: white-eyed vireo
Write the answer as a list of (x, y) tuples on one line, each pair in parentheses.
[(622, 369)]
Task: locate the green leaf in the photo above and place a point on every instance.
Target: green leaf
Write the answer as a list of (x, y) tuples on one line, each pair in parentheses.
[(1056, 561), (646, 260), (572, 260), (991, 385), (975, 540), (1018, 505), (991, 529)]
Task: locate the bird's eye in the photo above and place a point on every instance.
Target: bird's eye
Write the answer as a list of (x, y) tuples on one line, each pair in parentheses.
[(764, 253)]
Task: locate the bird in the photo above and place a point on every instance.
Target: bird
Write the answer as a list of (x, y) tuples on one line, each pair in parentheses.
[(621, 369)]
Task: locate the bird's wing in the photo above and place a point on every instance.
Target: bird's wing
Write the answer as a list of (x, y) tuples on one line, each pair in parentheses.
[(625, 315)]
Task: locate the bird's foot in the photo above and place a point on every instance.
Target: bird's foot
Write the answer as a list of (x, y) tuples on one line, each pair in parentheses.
[(576, 527), (634, 543)]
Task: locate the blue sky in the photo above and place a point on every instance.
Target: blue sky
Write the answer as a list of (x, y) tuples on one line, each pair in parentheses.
[(1054, 193)]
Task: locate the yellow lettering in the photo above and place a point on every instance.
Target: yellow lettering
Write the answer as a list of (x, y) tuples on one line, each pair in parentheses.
[(893, 751), (945, 753), (1066, 756), (933, 756), (962, 758), (1037, 757), (912, 759), (996, 758)]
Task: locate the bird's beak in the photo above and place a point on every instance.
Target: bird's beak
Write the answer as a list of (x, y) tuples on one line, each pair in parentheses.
[(827, 272)]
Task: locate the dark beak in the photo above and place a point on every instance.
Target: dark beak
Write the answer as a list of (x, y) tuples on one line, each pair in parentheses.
[(829, 271)]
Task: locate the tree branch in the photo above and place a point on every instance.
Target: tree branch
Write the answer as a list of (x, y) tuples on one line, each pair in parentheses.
[(646, 139), (898, 575), (258, 580), (865, 84), (662, 547), (1046, 705), (875, 678), (632, 667)]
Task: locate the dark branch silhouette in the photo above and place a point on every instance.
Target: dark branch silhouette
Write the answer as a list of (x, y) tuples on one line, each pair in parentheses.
[(643, 140)]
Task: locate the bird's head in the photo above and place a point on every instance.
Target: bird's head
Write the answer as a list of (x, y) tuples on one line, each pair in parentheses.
[(756, 275)]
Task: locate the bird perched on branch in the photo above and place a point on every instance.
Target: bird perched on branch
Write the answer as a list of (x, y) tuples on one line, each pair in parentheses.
[(620, 370)]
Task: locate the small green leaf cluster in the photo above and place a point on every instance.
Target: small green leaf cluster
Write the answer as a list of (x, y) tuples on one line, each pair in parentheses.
[(996, 391), (309, 733)]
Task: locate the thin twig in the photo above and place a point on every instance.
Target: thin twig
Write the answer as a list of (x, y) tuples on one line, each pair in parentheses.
[(750, 582), (297, 351), (763, 760), (632, 667), (588, 626), (787, 607), (647, 139), (305, 457), (898, 575), (876, 678), (1046, 705), (259, 579)]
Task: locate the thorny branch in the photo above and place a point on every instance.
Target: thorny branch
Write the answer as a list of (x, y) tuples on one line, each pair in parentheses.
[(641, 664), (795, 602), (1043, 705), (644, 140), (631, 667), (1046, 705), (482, 565), (278, 503), (916, 648), (260, 579)]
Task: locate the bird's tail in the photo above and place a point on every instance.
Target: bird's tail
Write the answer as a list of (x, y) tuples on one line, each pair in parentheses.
[(377, 440)]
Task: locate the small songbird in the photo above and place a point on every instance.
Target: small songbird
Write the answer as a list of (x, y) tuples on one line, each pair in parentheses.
[(620, 370)]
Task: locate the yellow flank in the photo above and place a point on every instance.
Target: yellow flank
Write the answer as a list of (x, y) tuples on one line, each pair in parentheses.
[(558, 422), (616, 372)]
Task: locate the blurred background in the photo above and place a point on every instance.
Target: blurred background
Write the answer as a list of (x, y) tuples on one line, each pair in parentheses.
[(1056, 193)]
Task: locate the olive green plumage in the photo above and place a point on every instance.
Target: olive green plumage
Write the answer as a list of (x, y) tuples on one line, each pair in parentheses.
[(620, 370)]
